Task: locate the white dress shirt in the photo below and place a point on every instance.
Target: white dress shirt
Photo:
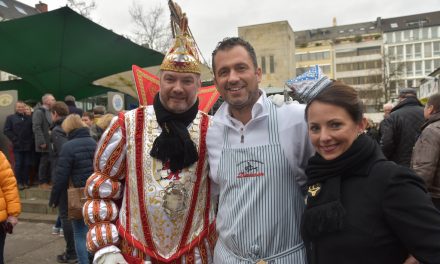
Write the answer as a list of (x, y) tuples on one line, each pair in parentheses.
[(292, 129)]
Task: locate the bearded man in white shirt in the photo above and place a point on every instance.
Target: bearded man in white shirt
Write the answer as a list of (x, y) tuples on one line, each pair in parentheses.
[(257, 155)]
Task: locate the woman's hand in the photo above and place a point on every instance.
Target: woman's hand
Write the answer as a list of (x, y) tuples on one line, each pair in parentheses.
[(12, 219)]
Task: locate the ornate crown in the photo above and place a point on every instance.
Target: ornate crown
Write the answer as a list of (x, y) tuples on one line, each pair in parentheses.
[(182, 56)]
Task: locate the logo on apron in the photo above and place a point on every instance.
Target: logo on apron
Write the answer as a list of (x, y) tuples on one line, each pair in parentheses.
[(250, 168)]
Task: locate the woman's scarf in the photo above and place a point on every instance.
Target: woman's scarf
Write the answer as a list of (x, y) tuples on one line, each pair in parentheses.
[(174, 144), (324, 212)]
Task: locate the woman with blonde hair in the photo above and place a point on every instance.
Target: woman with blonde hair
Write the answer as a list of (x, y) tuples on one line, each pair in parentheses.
[(75, 165)]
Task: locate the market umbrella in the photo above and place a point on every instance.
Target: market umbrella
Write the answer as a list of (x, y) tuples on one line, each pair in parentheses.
[(62, 52)]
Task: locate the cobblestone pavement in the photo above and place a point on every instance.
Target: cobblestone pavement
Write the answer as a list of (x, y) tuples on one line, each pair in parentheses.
[(33, 243)]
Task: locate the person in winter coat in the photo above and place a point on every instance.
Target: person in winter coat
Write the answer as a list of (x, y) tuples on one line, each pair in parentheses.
[(400, 130), (41, 122), (59, 112), (360, 208), (18, 128), (10, 206), (70, 102), (74, 166), (426, 154)]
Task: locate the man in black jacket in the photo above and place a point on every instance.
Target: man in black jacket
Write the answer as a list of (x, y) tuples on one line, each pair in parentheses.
[(58, 137), (18, 128), (402, 127)]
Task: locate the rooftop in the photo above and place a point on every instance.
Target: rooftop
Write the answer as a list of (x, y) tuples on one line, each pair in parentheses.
[(11, 9)]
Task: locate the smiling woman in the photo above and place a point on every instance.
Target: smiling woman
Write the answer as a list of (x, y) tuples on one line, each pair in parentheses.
[(360, 208)]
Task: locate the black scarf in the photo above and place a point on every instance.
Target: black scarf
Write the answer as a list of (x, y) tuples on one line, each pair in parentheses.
[(174, 144), (324, 212)]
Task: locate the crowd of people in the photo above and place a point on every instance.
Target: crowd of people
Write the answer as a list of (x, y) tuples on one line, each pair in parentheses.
[(258, 182), (58, 141)]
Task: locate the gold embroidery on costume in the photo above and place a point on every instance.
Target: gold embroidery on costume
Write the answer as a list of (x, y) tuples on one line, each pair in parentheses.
[(167, 195)]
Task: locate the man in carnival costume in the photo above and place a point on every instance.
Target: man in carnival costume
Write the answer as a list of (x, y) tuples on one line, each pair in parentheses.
[(155, 159)]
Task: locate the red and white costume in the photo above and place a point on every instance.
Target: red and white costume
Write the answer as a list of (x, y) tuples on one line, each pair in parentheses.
[(139, 225)]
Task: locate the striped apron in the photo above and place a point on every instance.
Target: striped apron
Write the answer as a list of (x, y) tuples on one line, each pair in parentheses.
[(260, 204)]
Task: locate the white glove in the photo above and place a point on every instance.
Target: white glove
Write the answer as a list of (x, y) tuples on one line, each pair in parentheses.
[(110, 258)]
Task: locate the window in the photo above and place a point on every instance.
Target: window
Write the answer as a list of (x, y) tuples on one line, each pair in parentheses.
[(399, 52), (271, 64), (392, 52), (398, 36), (21, 10), (409, 68), (418, 65), (369, 51), (3, 4), (427, 49), (436, 63), (346, 54), (407, 35), (326, 69), (263, 64), (434, 32), (324, 55), (394, 25), (409, 51), (416, 34), (425, 33), (436, 49), (418, 50), (428, 67)]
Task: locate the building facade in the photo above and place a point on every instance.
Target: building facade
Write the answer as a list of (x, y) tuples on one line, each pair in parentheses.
[(349, 53), (411, 48), (274, 45)]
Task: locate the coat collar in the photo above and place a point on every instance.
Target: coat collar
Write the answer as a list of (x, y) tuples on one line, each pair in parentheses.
[(259, 110)]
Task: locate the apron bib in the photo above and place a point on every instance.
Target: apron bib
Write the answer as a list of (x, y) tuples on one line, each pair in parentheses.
[(260, 204)]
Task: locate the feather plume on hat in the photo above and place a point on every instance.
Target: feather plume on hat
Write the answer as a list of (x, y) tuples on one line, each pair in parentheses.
[(182, 56), (309, 84)]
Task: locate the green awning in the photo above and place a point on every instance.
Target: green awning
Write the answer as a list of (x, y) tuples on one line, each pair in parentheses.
[(62, 52)]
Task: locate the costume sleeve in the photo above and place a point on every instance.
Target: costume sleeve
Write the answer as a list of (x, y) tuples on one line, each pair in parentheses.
[(426, 155), (104, 187), (411, 215), (387, 140)]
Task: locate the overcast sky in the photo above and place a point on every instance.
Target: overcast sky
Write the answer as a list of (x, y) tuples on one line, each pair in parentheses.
[(212, 20)]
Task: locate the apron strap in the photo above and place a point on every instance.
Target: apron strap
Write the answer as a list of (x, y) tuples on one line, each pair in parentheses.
[(274, 138)]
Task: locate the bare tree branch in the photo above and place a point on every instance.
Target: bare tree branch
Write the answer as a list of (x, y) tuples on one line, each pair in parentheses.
[(152, 28), (82, 7)]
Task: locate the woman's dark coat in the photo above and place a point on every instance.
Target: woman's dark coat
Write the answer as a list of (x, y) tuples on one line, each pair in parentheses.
[(388, 215), (75, 163)]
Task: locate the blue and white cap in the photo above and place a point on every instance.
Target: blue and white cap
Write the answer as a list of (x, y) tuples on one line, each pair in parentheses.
[(309, 84)]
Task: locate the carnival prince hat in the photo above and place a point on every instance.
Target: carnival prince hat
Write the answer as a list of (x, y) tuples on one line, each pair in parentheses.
[(309, 84), (182, 56)]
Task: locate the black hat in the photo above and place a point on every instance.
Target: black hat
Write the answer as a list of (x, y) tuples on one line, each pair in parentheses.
[(407, 91)]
